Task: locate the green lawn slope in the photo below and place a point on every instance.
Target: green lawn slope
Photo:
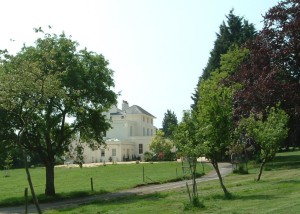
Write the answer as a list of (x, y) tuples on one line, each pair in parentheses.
[(277, 192)]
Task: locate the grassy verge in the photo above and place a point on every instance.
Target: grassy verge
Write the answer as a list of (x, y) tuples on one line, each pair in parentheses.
[(277, 192), (76, 182)]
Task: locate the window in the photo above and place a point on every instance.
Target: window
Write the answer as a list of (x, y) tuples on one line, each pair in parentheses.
[(147, 120), (131, 131), (147, 132), (140, 148), (144, 132), (102, 152), (114, 152), (143, 119), (151, 132)]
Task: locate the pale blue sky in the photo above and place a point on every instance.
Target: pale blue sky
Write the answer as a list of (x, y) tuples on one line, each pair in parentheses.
[(157, 48)]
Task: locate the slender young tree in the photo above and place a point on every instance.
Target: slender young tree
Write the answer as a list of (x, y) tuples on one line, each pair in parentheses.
[(215, 120), (189, 147), (267, 133)]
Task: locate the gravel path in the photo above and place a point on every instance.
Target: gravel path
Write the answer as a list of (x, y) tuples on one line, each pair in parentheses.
[(225, 169)]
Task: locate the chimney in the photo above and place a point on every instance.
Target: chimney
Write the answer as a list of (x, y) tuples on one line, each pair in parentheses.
[(125, 105)]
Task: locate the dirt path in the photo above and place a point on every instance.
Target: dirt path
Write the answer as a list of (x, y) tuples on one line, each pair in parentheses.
[(225, 169)]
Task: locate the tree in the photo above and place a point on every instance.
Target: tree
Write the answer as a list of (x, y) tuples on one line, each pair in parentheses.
[(8, 163), (206, 131), (44, 85), (237, 31), (234, 32), (268, 132), (7, 137), (271, 73), (215, 120), (189, 146), (169, 123), (160, 146)]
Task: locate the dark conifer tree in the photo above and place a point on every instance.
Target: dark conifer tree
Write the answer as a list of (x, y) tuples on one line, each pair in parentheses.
[(235, 31), (169, 123)]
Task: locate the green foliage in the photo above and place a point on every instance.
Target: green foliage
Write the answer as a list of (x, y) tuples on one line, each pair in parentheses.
[(8, 163), (267, 132), (148, 156), (160, 146), (235, 32), (232, 34), (44, 85), (271, 73), (214, 116), (169, 123), (185, 138), (232, 59)]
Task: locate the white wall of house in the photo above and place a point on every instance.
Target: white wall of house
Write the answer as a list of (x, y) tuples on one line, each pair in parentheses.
[(131, 133)]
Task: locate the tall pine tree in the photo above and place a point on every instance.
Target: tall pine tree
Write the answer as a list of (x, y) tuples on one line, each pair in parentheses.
[(236, 31), (169, 123)]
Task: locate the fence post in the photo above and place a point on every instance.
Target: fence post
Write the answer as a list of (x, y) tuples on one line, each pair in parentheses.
[(26, 200), (92, 185)]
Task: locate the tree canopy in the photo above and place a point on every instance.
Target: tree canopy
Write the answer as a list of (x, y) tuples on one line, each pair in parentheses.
[(234, 32), (215, 119), (51, 92), (169, 123), (161, 147), (271, 73), (267, 132)]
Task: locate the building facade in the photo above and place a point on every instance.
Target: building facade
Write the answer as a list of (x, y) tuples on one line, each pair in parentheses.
[(128, 139)]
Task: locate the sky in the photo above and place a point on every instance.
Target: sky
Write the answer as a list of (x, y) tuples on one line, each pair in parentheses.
[(156, 48)]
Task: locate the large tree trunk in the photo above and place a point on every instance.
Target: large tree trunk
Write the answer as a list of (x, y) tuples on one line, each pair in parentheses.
[(216, 167), (261, 169), (50, 187)]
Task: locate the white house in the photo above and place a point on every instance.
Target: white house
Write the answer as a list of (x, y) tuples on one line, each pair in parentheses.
[(129, 138)]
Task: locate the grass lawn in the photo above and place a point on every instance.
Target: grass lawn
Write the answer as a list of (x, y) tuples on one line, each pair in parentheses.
[(73, 182), (277, 192)]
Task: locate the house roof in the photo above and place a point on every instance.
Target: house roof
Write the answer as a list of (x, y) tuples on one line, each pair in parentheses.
[(135, 109)]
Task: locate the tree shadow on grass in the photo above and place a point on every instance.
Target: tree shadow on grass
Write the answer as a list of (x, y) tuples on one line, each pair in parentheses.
[(125, 199), (289, 182), (131, 198), (16, 201), (243, 197), (282, 165), (284, 162)]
